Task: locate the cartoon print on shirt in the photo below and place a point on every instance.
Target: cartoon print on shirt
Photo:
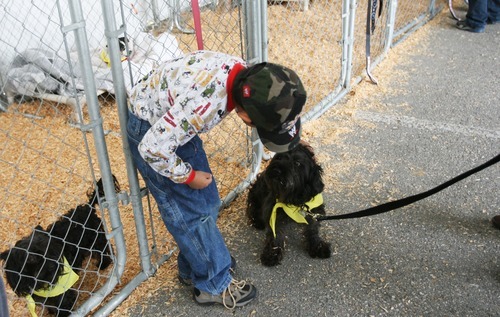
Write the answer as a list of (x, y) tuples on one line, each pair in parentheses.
[(164, 84), (145, 77), (161, 130), (185, 101), (144, 112), (154, 81), (155, 158), (179, 109), (225, 68), (193, 60), (203, 78), (208, 92), (185, 125), (221, 113), (169, 118), (202, 109), (170, 98)]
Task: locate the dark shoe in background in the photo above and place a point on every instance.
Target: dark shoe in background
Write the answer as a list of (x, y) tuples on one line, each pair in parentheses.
[(463, 25), (496, 221)]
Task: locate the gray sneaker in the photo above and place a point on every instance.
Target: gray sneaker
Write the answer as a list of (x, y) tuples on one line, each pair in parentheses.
[(238, 293), (188, 282)]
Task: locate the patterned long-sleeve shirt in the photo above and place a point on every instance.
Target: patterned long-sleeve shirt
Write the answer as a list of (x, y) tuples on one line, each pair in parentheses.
[(181, 98)]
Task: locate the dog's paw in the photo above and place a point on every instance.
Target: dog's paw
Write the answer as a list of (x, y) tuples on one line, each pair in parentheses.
[(271, 256), (255, 220), (259, 225), (320, 250)]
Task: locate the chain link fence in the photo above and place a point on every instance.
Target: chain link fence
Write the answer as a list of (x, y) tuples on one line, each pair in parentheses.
[(65, 68)]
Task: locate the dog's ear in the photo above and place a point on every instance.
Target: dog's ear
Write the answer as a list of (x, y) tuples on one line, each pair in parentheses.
[(304, 143), (317, 176), (308, 149), (4, 255), (92, 193)]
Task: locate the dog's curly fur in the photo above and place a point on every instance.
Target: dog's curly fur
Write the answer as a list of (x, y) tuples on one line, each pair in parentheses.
[(292, 178), (35, 262)]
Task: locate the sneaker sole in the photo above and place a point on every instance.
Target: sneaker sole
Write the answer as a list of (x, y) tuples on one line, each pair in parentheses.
[(213, 303), (470, 29), (239, 304)]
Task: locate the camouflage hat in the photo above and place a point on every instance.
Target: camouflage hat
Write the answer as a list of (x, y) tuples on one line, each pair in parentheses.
[(273, 97)]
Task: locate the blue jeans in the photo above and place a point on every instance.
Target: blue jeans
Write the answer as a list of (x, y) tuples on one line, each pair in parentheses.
[(480, 11), (190, 215)]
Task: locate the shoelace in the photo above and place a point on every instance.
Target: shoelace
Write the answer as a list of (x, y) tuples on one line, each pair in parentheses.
[(238, 285)]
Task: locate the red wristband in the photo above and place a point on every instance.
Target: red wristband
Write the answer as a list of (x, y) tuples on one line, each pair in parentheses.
[(190, 177)]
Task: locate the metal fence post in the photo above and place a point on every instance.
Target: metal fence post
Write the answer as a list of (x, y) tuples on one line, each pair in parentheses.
[(391, 22), (95, 125)]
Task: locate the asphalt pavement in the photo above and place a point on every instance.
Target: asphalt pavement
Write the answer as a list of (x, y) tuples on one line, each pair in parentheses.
[(438, 117)]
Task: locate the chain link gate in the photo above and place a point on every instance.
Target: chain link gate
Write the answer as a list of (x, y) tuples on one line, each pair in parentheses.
[(66, 66)]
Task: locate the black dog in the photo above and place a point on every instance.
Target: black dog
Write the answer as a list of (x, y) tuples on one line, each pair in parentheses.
[(291, 184), (36, 263)]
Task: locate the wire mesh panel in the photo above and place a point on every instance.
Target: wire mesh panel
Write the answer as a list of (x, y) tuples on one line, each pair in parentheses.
[(409, 13), (58, 248), (370, 33), (45, 182), (307, 37), (220, 23)]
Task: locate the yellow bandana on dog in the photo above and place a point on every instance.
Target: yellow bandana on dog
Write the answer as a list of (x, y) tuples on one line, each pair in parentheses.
[(294, 212), (67, 279), (105, 57)]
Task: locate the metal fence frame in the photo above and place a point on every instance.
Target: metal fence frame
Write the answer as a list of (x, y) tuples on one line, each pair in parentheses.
[(95, 126)]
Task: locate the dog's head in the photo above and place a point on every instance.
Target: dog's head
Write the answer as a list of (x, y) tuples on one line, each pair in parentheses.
[(294, 177), (33, 263), (94, 193)]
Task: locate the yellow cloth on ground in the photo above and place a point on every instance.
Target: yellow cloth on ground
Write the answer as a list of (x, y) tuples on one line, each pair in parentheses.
[(67, 279), (294, 212)]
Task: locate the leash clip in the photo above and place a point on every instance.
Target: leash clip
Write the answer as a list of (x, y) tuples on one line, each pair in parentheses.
[(307, 212)]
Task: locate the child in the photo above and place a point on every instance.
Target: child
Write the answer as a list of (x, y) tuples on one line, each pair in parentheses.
[(169, 107)]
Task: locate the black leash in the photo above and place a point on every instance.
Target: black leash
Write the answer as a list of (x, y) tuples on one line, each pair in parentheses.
[(411, 199)]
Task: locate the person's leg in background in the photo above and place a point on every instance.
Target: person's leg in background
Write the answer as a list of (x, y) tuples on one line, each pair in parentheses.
[(475, 20), (493, 12)]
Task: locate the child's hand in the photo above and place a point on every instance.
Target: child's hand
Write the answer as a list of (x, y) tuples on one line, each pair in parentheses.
[(201, 180)]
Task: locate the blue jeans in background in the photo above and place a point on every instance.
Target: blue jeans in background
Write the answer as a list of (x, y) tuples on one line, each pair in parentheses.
[(190, 215), (4, 310), (481, 12)]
